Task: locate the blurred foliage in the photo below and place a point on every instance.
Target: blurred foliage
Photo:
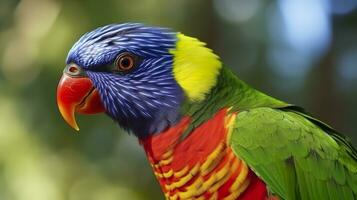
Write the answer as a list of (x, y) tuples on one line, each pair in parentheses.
[(301, 51)]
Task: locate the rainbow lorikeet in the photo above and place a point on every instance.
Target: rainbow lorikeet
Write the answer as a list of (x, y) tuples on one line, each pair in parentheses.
[(206, 133)]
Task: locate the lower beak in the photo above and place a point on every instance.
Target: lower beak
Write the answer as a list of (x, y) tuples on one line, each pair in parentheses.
[(77, 94)]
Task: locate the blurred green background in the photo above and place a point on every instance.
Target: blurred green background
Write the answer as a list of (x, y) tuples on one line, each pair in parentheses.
[(301, 51)]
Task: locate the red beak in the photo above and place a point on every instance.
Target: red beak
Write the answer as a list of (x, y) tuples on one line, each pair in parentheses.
[(77, 94)]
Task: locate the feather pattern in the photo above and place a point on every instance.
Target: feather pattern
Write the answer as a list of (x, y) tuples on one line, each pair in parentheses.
[(203, 166), (149, 97), (101, 46)]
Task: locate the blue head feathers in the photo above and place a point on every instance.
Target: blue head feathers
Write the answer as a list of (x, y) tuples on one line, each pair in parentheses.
[(145, 99)]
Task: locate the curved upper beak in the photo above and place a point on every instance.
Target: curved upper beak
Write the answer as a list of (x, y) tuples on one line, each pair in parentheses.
[(77, 94)]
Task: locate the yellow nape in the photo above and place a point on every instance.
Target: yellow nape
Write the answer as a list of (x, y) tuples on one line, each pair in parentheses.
[(195, 67)]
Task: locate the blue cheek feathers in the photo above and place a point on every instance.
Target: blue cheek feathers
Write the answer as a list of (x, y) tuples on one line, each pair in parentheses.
[(145, 102)]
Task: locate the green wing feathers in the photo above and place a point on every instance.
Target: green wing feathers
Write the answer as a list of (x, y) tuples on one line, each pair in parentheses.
[(296, 156)]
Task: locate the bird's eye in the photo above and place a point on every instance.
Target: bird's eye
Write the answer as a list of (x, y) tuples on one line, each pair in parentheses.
[(125, 62), (73, 69)]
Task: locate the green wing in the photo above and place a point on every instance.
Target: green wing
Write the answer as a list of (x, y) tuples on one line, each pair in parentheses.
[(297, 156)]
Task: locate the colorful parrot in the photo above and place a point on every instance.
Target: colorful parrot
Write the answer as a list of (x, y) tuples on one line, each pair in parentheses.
[(206, 133)]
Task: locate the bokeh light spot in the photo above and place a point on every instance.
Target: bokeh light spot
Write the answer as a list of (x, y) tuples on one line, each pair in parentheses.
[(237, 10), (306, 24)]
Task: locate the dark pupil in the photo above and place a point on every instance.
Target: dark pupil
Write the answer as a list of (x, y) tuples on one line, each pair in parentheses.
[(125, 62)]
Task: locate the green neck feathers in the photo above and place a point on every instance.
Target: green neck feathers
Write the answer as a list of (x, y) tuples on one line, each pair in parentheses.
[(229, 92)]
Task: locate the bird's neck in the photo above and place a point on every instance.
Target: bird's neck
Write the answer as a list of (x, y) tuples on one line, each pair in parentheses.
[(229, 92), (195, 67)]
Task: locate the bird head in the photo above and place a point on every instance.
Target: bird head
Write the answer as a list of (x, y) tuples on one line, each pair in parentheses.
[(139, 75)]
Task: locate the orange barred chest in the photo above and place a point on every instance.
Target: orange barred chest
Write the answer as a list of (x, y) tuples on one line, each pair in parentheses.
[(220, 176), (202, 166)]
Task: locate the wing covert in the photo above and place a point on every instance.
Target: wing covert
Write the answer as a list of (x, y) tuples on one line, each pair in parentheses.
[(295, 157)]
